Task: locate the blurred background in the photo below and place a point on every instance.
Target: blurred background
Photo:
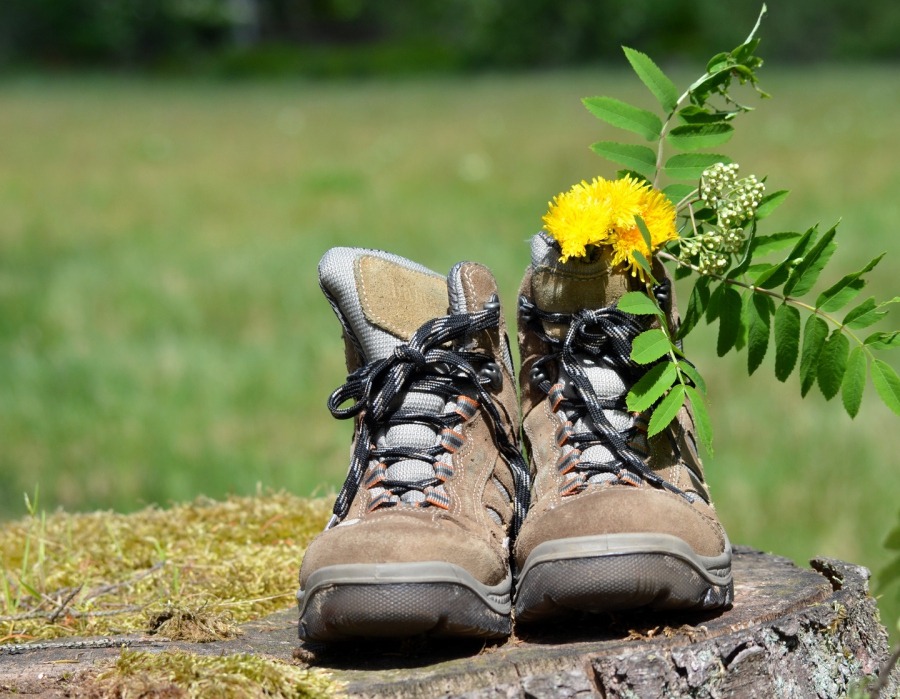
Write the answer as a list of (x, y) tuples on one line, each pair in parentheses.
[(172, 170)]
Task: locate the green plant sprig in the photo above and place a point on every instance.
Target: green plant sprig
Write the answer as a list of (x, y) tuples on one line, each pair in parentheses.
[(752, 300)]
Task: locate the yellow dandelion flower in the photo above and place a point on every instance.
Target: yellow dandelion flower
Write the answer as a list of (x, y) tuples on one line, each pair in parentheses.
[(577, 219), (603, 212)]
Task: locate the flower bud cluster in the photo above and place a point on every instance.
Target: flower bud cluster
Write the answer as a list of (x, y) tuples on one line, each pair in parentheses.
[(735, 202)]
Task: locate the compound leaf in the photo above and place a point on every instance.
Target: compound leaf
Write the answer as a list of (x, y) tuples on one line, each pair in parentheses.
[(814, 334), (652, 76), (666, 410), (854, 382), (887, 383), (689, 166), (638, 158), (729, 319), (625, 116), (759, 321), (649, 346), (651, 386), (787, 340), (701, 416), (807, 271), (833, 363), (638, 304), (698, 136)]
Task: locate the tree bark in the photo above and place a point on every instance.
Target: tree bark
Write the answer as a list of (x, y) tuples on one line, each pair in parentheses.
[(792, 632)]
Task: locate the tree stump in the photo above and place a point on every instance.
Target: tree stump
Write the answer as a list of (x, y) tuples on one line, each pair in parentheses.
[(791, 632)]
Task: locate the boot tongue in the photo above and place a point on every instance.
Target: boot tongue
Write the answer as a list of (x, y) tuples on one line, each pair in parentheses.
[(566, 287), (381, 299)]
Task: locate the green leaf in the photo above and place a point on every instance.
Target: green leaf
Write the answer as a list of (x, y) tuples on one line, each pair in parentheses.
[(689, 166), (644, 264), (887, 383), (656, 81), (854, 382), (692, 114), (807, 271), (765, 244), (645, 232), (625, 116), (833, 363), (698, 136), (837, 296), (678, 191), (638, 303), (639, 158), (867, 313), (715, 302), (814, 333), (787, 340), (729, 319), (883, 340), (696, 307), (889, 574), (666, 410), (651, 386), (691, 372), (649, 346), (701, 417), (770, 202), (759, 320)]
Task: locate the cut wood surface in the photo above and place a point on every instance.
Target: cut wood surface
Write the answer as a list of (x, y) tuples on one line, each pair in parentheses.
[(792, 632)]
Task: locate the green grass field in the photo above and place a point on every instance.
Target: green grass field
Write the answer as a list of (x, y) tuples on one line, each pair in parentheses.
[(162, 333)]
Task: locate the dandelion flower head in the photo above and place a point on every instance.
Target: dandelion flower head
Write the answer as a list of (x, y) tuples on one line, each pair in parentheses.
[(603, 212)]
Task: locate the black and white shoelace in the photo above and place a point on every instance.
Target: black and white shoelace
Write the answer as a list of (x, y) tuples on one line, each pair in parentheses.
[(426, 364), (605, 336)]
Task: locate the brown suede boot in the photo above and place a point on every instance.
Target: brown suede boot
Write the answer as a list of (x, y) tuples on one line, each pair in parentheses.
[(617, 521), (420, 534)]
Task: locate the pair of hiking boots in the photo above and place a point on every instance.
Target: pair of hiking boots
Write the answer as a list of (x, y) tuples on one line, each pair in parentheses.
[(442, 527)]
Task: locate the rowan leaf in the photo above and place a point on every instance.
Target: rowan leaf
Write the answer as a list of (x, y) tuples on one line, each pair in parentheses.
[(639, 158), (883, 340), (666, 410), (625, 116), (815, 333), (787, 340), (770, 202), (651, 386), (696, 307), (887, 383), (638, 303), (729, 319), (807, 271), (678, 191), (854, 382), (698, 136), (845, 290), (689, 166), (759, 322), (652, 76), (649, 346), (691, 372), (833, 363), (765, 244), (702, 421)]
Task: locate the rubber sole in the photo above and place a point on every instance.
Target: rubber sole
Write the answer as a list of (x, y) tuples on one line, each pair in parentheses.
[(401, 600), (619, 572)]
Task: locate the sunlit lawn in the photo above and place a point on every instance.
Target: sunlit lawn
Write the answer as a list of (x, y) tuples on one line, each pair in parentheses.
[(161, 329)]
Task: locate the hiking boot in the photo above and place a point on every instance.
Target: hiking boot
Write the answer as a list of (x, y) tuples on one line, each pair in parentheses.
[(617, 521), (419, 539)]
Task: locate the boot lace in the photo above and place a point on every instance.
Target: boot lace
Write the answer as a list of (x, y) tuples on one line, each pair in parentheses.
[(598, 338), (427, 364)]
